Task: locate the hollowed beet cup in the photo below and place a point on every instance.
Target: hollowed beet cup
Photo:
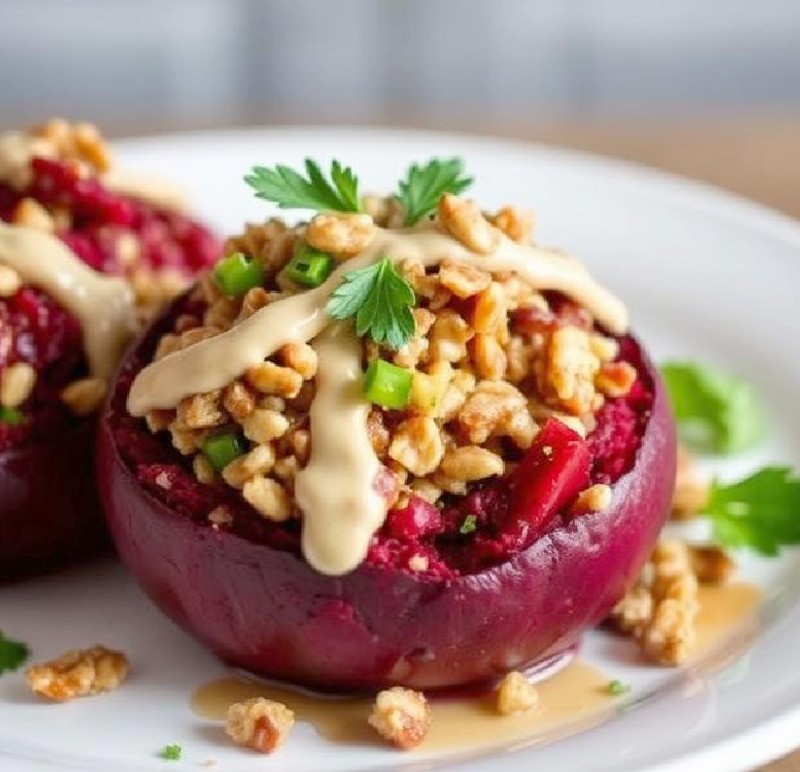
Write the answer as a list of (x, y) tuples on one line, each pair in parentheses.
[(265, 609)]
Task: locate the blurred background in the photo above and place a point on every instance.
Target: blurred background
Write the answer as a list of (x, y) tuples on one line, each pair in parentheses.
[(710, 88)]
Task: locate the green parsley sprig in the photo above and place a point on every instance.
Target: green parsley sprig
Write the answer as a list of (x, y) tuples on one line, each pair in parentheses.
[(760, 512), (13, 654), (380, 299), (423, 186), (716, 411), (419, 191), (291, 190)]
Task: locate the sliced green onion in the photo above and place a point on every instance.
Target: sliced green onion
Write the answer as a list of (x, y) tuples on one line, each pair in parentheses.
[(11, 416), (387, 385), (221, 449), (309, 267), (237, 273)]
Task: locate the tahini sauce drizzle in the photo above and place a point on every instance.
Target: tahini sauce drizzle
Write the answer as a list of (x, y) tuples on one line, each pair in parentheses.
[(327, 498), (338, 416), (145, 187), (102, 304)]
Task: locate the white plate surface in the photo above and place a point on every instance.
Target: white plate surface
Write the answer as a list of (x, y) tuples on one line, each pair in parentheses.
[(706, 276)]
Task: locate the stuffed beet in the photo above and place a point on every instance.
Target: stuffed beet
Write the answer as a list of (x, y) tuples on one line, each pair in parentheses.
[(83, 259), (399, 444)]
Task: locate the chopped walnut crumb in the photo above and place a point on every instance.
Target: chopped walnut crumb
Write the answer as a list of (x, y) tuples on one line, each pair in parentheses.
[(516, 694), (79, 674), (464, 221), (660, 611), (31, 214), (16, 384), (10, 281), (85, 396), (711, 564), (401, 716), (595, 498), (220, 516), (615, 379), (516, 223), (259, 724), (340, 233)]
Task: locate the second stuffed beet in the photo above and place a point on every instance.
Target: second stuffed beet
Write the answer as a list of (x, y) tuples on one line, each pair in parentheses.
[(82, 265)]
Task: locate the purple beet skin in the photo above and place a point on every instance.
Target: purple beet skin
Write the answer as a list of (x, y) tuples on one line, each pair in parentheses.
[(49, 510), (265, 610)]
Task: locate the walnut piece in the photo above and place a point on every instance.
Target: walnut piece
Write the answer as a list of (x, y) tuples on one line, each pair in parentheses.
[(516, 694), (463, 220), (340, 234), (401, 716), (259, 724), (16, 384), (660, 611), (79, 674), (84, 396)]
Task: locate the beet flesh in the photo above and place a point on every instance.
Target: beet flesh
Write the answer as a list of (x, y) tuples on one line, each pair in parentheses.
[(266, 610)]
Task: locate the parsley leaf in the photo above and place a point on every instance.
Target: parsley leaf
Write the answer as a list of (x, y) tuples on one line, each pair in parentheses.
[(761, 512), (381, 301), (12, 654), (291, 190), (716, 411), (423, 186), (172, 753), (469, 525)]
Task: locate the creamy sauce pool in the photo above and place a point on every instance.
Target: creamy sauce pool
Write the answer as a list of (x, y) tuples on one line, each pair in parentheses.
[(573, 699), (344, 474), (103, 305)]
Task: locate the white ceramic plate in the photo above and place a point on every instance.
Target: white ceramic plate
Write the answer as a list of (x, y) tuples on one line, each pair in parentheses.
[(706, 276)]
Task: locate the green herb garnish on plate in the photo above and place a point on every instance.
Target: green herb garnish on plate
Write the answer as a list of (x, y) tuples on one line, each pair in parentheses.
[(291, 190), (469, 525), (13, 654), (423, 186), (171, 753), (760, 513), (716, 411), (380, 299)]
